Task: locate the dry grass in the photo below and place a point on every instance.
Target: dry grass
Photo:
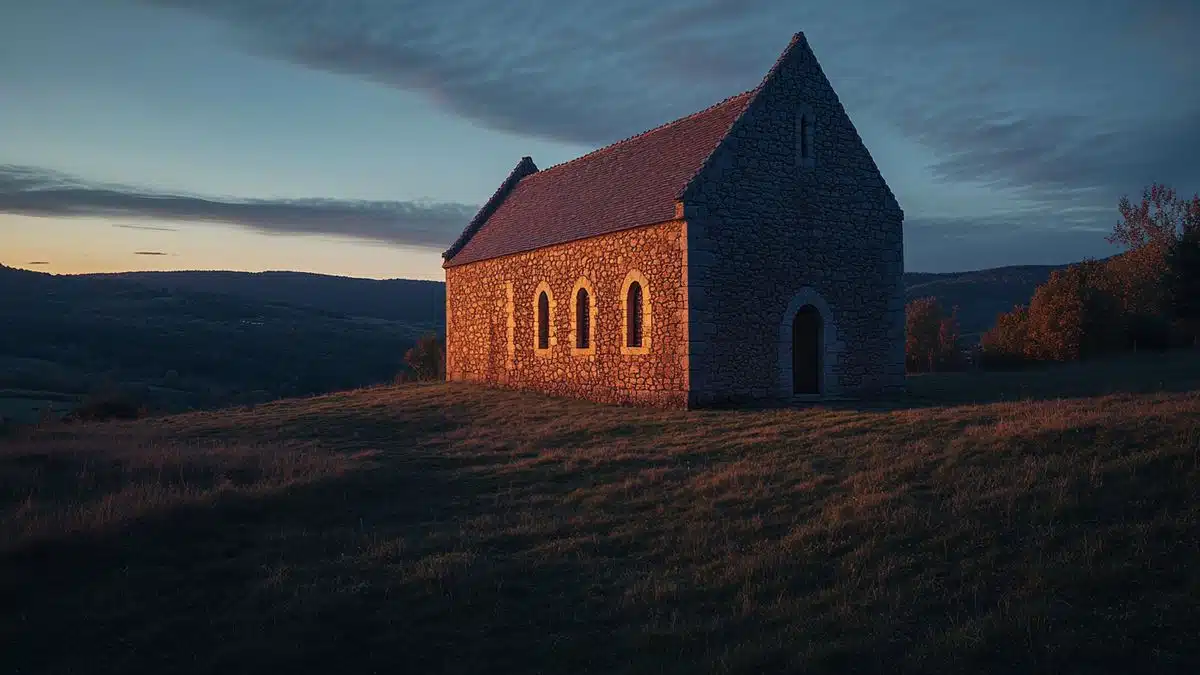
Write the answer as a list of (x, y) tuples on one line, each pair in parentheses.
[(435, 528)]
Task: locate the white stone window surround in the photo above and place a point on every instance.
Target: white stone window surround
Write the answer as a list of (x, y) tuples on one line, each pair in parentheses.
[(832, 347), (544, 287), (630, 278)]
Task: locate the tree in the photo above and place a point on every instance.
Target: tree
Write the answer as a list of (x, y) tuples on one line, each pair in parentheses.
[(1003, 345), (1073, 315), (950, 356), (1183, 268), (1150, 277), (931, 337), (1160, 219), (427, 359)]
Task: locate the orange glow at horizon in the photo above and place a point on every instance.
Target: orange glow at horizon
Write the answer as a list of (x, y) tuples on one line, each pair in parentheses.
[(88, 245)]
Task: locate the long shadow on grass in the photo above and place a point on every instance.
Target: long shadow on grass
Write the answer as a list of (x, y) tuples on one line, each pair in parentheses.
[(359, 574), (369, 572), (443, 565)]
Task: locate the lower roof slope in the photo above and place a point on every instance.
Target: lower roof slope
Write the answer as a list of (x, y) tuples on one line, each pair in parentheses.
[(628, 184)]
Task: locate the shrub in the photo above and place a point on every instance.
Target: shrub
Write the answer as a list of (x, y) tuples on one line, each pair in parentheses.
[(426, 360), (107, 406), (931, 338), (1003, 346)]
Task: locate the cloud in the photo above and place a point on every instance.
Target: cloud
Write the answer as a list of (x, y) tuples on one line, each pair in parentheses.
[(1069, 104), (31, 191), (150, 253), (151, 228), (961, 244), (38, 262), (533, 68)]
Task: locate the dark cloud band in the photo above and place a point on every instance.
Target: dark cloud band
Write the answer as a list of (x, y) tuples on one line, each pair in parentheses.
[(37, 192)]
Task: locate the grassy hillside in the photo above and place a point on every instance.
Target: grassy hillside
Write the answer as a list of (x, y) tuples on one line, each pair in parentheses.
[(67, 336), (451, 529), (410, 300), (979, 295)]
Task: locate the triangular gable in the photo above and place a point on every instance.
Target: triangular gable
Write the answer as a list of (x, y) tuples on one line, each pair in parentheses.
[(798, 53), (798, 42)]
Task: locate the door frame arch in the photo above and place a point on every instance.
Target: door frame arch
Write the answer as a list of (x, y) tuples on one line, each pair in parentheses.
[(831, 347)]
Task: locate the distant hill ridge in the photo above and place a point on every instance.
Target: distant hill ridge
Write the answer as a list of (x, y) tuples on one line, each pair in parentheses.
[(979, 295), (393, 299), (173, 345)]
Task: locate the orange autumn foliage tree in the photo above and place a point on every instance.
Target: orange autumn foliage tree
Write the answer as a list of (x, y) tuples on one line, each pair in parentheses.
[(1073, 315), (1139, 299)]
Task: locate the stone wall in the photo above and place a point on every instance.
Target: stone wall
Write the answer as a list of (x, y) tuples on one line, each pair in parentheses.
[(491, 319), (769, 231)]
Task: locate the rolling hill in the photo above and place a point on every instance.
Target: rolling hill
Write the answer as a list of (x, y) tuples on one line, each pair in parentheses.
[(422, 302), (979, 295), (66, 337), (193, 339)]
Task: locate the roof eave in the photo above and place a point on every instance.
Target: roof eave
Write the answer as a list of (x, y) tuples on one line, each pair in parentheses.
[(524, 168), (460, 263)]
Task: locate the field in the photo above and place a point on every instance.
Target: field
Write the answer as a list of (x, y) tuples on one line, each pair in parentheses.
[(28, 406), (452, 529)]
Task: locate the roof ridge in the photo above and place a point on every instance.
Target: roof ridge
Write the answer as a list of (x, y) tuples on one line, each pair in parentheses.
[(660, 127)]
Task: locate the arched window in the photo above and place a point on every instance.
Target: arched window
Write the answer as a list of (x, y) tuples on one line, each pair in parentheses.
[(805, 137), (544, 337), (633, 315), (583, 319), (583, 306), (543, 320)]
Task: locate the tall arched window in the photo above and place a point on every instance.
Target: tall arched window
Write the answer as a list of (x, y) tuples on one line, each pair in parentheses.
[(583, 312), (633, 315), (636, 317), (583, 318), (544, 333), (543, 320)]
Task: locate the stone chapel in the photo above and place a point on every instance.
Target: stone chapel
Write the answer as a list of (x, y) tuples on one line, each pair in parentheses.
[(748, 252)]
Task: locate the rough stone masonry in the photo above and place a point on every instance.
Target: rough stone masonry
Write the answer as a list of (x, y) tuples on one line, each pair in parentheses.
[(733, 220)]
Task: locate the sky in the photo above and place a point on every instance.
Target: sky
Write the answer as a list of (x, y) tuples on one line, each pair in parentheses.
[(358, 137)]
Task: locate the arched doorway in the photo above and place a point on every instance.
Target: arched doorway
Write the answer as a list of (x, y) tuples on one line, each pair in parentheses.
[(806, 351)]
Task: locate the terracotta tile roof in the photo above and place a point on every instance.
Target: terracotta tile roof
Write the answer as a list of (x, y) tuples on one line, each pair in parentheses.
[(630, 183)]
